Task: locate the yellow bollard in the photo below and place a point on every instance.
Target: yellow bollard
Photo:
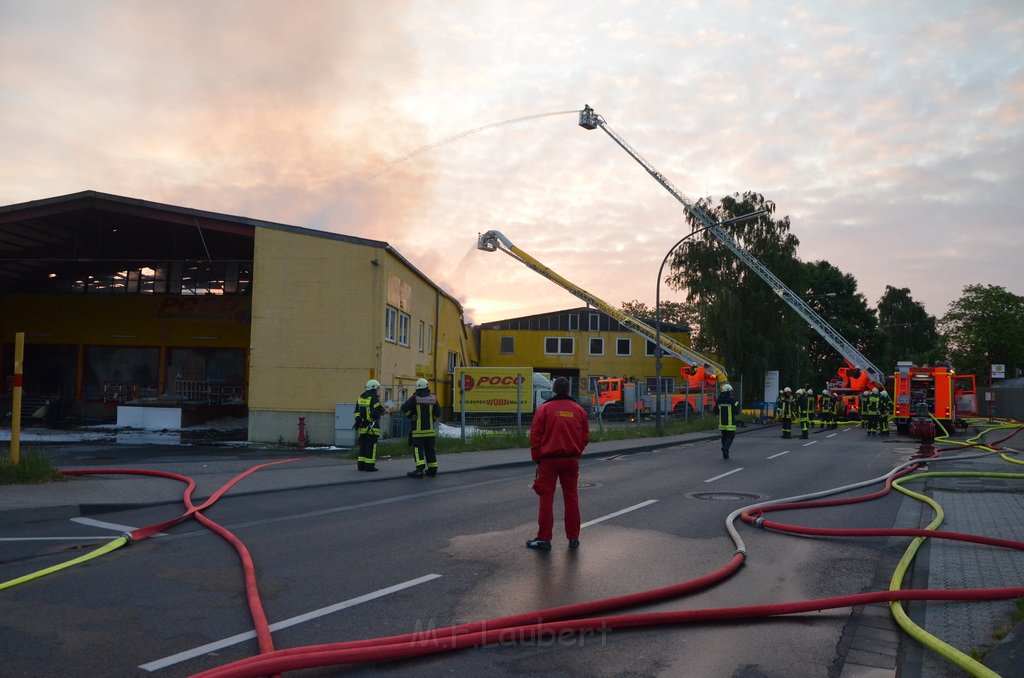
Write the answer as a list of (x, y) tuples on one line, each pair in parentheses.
[(19, 356)]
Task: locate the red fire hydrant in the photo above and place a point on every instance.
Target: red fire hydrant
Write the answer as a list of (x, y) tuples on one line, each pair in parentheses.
[(302, 432)]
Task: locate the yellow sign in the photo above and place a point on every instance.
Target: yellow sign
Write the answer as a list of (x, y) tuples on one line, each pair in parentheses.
[(493, 389)]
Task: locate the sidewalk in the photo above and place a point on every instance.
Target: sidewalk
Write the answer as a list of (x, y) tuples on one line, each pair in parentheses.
[(993, 507)]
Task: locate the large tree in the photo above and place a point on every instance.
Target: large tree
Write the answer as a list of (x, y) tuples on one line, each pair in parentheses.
[(834, 296), (985, 326), (910, 332), (734, 314)]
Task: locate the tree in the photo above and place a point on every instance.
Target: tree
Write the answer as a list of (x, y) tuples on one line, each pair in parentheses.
[(733, 313), (672, 312), (834, 296), (984, 326), (910, 332)]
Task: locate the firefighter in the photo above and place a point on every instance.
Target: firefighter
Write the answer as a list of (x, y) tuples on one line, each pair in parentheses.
[(800, 407), (825, 409), (872, 403), (804, 408), (726, 409), (838, 410), (885, 412), (368, 412), (786, 412), (862, 408), (423, 410)]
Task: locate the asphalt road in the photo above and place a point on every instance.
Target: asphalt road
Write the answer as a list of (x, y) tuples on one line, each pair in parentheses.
[(375, 559)]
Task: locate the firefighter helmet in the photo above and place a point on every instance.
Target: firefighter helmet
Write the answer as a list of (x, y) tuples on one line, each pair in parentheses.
[(421, 383), (372, 385), (874, 391), (726, 387), (787, 390), (824, 391)]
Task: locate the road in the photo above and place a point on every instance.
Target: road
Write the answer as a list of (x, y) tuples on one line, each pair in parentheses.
[(375, 559)]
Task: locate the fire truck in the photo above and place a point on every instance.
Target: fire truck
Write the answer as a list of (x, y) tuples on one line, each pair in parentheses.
[(848, 385), (701, 372), (925, 395), (619, 395)]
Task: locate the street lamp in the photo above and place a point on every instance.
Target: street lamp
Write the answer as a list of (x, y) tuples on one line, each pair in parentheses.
[(657, 308)]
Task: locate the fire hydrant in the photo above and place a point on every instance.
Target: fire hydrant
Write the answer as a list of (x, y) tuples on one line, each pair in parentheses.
[(302, 432)]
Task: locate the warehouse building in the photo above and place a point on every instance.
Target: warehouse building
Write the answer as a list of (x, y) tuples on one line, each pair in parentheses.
[(582, 344), (132, 308)]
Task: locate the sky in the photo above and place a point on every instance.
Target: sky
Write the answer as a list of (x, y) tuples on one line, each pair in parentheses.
[(891, 133)]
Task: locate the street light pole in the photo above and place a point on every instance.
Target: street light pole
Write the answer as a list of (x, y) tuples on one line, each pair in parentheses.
[(657, 328), (657, 308)]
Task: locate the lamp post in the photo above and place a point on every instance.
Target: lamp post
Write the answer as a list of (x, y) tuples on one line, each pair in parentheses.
[(657, 328), (657, 307)]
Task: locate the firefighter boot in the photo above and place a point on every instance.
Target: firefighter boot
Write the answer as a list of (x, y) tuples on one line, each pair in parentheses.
[(431, 472), (418, 473)]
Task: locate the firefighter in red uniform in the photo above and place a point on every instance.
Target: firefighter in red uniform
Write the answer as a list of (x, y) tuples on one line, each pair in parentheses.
[(558, 435)]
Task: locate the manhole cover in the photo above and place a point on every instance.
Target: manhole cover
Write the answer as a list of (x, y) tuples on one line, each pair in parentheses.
[(723, 496), (586, 485)]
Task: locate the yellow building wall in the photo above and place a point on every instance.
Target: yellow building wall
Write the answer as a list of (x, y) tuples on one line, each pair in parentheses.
[(318, 328), (316, 321), (529, 350), (443, 329)]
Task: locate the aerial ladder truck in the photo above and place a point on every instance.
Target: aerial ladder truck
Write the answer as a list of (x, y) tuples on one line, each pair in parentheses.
[(701, 373), (589, 119)]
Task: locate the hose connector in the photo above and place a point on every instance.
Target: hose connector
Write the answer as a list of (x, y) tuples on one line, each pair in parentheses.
[(759, 521)]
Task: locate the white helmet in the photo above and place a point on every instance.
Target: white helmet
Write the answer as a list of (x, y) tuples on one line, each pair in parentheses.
[(421, 383), (726, 387), (799, 391), (874, 390), (885, 393), (372, 385), (824, 391), (787, 390)]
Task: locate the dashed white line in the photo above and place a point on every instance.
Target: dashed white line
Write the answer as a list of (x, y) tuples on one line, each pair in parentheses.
[(831, 435), (779, 454), (813, 442), (619, 513), (249, 635), (104, 525), (727, 473)]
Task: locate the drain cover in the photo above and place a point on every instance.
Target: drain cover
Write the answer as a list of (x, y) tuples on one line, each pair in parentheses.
[(723, 496), (587, 485)]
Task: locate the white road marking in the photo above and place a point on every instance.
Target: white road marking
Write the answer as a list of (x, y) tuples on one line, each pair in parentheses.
[(728, 473), (813, 442), (779, 454), (277, 626), (104, 525), (831, 435), (83, 538), (619, 513)]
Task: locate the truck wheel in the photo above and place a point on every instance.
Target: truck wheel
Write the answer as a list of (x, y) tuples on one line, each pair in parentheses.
[(682, 410)]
